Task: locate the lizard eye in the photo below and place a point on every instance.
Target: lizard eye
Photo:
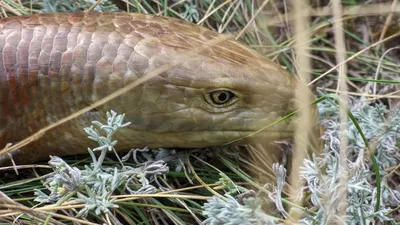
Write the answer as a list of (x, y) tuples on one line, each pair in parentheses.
[(221, 98)]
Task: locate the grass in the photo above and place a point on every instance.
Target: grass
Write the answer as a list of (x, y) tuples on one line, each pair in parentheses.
[(354, 181)]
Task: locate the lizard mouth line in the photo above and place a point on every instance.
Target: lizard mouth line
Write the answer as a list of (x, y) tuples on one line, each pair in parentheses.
[(217, 138), (199, 139)]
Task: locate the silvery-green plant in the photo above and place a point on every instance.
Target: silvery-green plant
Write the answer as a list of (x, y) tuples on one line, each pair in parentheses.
[(95, 184), (54, 6), (106, 143), (322, 174), (231, 212), (228, 185), (191, 13)]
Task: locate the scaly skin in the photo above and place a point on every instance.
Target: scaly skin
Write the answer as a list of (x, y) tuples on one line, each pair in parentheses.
[(53, 65)]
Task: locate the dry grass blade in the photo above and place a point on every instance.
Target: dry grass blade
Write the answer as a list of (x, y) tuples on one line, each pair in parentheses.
[(388, 21), (252, 19), (15, 208), (213, 11), (354, 11), (355, 56), (304, 125), (342, 89)]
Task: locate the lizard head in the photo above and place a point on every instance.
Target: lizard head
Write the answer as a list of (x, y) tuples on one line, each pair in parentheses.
[(224, 94)]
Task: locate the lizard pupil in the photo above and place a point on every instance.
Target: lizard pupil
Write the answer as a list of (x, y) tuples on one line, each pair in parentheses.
[(222, 97)]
